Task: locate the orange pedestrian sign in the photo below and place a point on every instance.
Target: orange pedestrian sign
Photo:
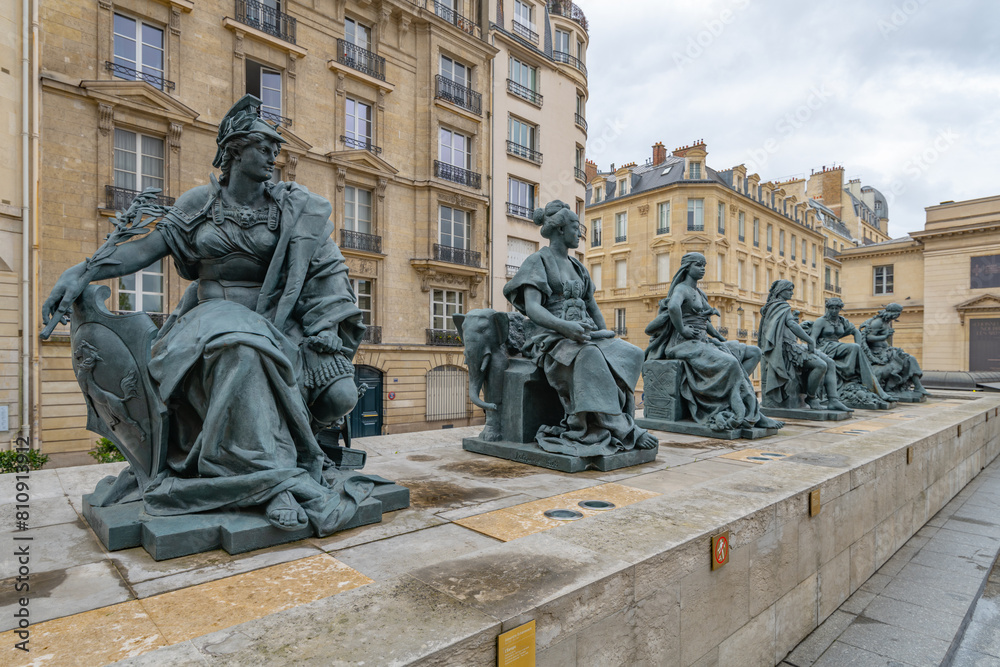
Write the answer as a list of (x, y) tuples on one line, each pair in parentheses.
[(720, 550)]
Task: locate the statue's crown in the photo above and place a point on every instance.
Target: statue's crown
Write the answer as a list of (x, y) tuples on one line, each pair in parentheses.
[(242, 119)]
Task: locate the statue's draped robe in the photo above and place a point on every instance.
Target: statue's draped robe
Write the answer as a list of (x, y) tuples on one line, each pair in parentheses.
[(894, 367), (852, 363), (594, 380), (234, 379), (715, 388)]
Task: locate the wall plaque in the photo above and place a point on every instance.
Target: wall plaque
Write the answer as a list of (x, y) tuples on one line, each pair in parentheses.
[(720, 550), (984, 344), (814, 502), (516, 648), (985, 271)]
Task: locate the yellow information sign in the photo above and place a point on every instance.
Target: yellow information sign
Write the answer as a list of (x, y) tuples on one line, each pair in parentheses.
[(516, 648)]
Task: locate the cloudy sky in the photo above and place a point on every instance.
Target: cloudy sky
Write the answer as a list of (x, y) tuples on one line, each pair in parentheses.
[(905, 94)]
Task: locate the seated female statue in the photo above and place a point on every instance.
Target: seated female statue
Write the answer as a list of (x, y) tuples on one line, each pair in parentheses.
[(716, 387), (256, 358), (851, 362), (895, 369), (593, 372), (788, 367)]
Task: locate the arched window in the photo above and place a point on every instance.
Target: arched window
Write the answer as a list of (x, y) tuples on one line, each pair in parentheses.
[(447, 393)]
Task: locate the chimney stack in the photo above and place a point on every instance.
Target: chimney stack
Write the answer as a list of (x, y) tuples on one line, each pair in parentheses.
[(590, 169), (659, 153)]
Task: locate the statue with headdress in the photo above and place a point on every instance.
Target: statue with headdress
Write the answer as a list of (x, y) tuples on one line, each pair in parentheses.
[(797, 380), (896, 370), (695, 381), (253, 363)]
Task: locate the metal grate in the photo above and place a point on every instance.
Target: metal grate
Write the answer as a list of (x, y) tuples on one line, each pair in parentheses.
[(447, 393)]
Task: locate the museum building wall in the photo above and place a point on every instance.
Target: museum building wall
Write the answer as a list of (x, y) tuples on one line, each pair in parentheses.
[(365, 128)]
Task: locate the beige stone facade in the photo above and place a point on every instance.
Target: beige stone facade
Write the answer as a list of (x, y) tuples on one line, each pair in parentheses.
[(539, 100), (375, 122), (946, 277), (750, 232)]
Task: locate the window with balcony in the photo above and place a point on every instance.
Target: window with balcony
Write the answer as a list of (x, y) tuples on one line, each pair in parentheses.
[(523, 81), (363, 298), (355, 50), (581, 119), (579, 167), (266, 16), (621, 328), (721, 215), (883, 280), (444, 304), (449, 10), (741, 226), (522, 140), (663, 218), (524, 23), (454, 84), (142, 290), (265, 83), (621, 274), (561, 44), (520, 198), (358, 126), (454, 228), (696, 215), (663, 267), (518, 250), (455, 158), (138, 164), (595, 233), (138, 52), (357, 209), (621, 227)]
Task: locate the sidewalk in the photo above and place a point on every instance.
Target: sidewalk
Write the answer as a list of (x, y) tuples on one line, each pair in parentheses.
[(920, 608)]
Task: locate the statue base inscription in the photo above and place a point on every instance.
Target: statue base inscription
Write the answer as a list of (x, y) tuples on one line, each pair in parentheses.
[(531, 454), (127, 525), (694, 428), (810, 415)]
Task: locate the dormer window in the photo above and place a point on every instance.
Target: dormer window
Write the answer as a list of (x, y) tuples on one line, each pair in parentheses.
[(694, 170), (598, 193), (622, 187)]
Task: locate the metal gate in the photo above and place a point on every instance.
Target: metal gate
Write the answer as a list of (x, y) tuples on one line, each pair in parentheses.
[(984, 344), (366, 418), (447, 393)]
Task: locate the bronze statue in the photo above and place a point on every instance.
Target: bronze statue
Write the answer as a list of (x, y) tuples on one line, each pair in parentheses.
[(256, 358), (897, 371)]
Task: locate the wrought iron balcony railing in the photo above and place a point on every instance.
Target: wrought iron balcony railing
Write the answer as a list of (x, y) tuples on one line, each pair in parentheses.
[(830, 287), (447, 253), (360, 59), (126, 72), (360, 241), (514, 148), (580, 174), (621, 332), (581, 121), (363, 144), (447, 337), (595, 242), (524, 92), (457, 94), (373, 335), (621, 239), (158, 318), (831, 253), (276, 118), (742, 333), (512, 270), (724, 331), (561, 57), (450, 172), (662, 230), (569, 10), (519, 211), (523, 31), (266, 19), (119, 199), (456, 19)]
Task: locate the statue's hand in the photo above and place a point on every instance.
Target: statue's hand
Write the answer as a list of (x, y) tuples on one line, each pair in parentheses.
[(578, 331), (326, 342), (689, 332), (811, 345), (60, 301)]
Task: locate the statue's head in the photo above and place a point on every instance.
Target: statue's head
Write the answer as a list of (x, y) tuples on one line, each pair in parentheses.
[(692, 264), (891, 312), (241, 128), (781, 289), (557, 220), (834, 305)]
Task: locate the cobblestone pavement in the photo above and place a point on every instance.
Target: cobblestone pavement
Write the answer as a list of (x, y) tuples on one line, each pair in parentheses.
[(935, 602)]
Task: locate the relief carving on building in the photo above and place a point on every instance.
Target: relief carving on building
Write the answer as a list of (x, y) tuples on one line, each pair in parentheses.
[(643, 209), (238, 44), (380, 188), (290, 166), (341, 178), (290, 70), (106, 119), (175, 21), (174, 136), (362, 267), (340, 83)]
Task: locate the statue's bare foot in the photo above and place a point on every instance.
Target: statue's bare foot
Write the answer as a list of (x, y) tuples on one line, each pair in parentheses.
[(647, 441), (815, 404), (836, 404), (767, 422), (285, 513)]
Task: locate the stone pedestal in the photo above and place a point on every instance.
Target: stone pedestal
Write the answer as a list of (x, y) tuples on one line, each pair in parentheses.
[(807, 414), (532, 454)]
